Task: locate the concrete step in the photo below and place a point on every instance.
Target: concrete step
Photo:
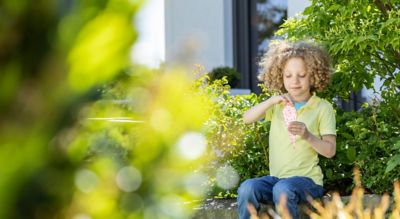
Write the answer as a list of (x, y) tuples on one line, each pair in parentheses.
[(226, 208)]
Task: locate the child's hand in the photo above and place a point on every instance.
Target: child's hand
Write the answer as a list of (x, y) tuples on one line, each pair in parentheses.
[(299, 128), (284, 98)]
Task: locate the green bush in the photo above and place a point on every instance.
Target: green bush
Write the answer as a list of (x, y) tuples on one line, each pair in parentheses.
[(231, 75), (366, 139), (231, 142)]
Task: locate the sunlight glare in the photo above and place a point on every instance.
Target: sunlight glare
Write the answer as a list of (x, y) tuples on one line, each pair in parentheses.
[(192, 145)]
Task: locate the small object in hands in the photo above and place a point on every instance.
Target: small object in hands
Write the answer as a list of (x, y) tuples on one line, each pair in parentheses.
[(289, 115)]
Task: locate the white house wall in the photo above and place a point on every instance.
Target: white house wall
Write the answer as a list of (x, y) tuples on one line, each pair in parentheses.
[(297, 6), (199, 32)]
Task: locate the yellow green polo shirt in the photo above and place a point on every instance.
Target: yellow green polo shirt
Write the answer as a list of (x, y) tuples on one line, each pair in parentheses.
[(286, 160)]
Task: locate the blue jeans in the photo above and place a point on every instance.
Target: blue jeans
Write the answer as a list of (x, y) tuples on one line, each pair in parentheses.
[(268, 190)]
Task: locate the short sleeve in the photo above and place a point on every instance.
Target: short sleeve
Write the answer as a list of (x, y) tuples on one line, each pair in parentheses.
[(327, 123), (269, 112)]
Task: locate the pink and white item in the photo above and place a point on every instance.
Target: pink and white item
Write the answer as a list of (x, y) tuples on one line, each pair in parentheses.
[(289, 115)]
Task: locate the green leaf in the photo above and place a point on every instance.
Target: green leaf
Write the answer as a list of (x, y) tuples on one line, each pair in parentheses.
[(346, 135), (397, 145), (308, 10), (109, 33), (392, 163), (329, 173), (334, 7), (351, 154)]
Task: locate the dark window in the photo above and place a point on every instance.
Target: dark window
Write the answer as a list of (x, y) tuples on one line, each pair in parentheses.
[(255, 22)]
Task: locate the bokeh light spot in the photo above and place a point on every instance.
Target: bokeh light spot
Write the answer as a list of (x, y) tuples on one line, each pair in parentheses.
[(129, 179), (227, 177), (86, 180), (196, 184), (171, 205), (192, 145)]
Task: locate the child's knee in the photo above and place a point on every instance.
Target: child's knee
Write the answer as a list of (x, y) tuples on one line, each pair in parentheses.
[(283, 189), (247, 187)]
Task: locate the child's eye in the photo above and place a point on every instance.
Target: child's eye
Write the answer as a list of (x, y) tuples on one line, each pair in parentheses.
[(302, 76), (288, 76)]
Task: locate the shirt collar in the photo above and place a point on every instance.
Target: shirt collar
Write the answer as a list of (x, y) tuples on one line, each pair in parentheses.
[(312, 102)]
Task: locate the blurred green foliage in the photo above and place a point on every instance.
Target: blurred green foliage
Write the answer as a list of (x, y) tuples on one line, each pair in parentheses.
[(153, 134), (36, 103), (83, 133)]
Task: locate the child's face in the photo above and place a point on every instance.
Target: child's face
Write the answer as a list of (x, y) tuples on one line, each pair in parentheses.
[(296, 79)]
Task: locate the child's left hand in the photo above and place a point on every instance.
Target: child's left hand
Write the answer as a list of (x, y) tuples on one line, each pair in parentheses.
[(299, 128)]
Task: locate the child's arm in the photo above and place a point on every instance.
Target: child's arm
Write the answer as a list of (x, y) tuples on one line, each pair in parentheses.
[(257, 112), (325, 146)]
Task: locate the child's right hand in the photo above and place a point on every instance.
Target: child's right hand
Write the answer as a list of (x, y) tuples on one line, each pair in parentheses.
[(284, 98), (257, 112)]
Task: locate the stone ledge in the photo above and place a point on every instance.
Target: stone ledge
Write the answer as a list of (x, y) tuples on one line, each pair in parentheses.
[(227, 208)]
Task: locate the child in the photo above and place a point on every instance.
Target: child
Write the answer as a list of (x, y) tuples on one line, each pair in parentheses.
[(296, 71)]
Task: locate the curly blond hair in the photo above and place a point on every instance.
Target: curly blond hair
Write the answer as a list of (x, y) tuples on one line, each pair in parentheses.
[(317, 63)]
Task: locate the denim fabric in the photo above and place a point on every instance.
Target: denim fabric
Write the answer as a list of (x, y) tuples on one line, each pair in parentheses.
[(268, 190)]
